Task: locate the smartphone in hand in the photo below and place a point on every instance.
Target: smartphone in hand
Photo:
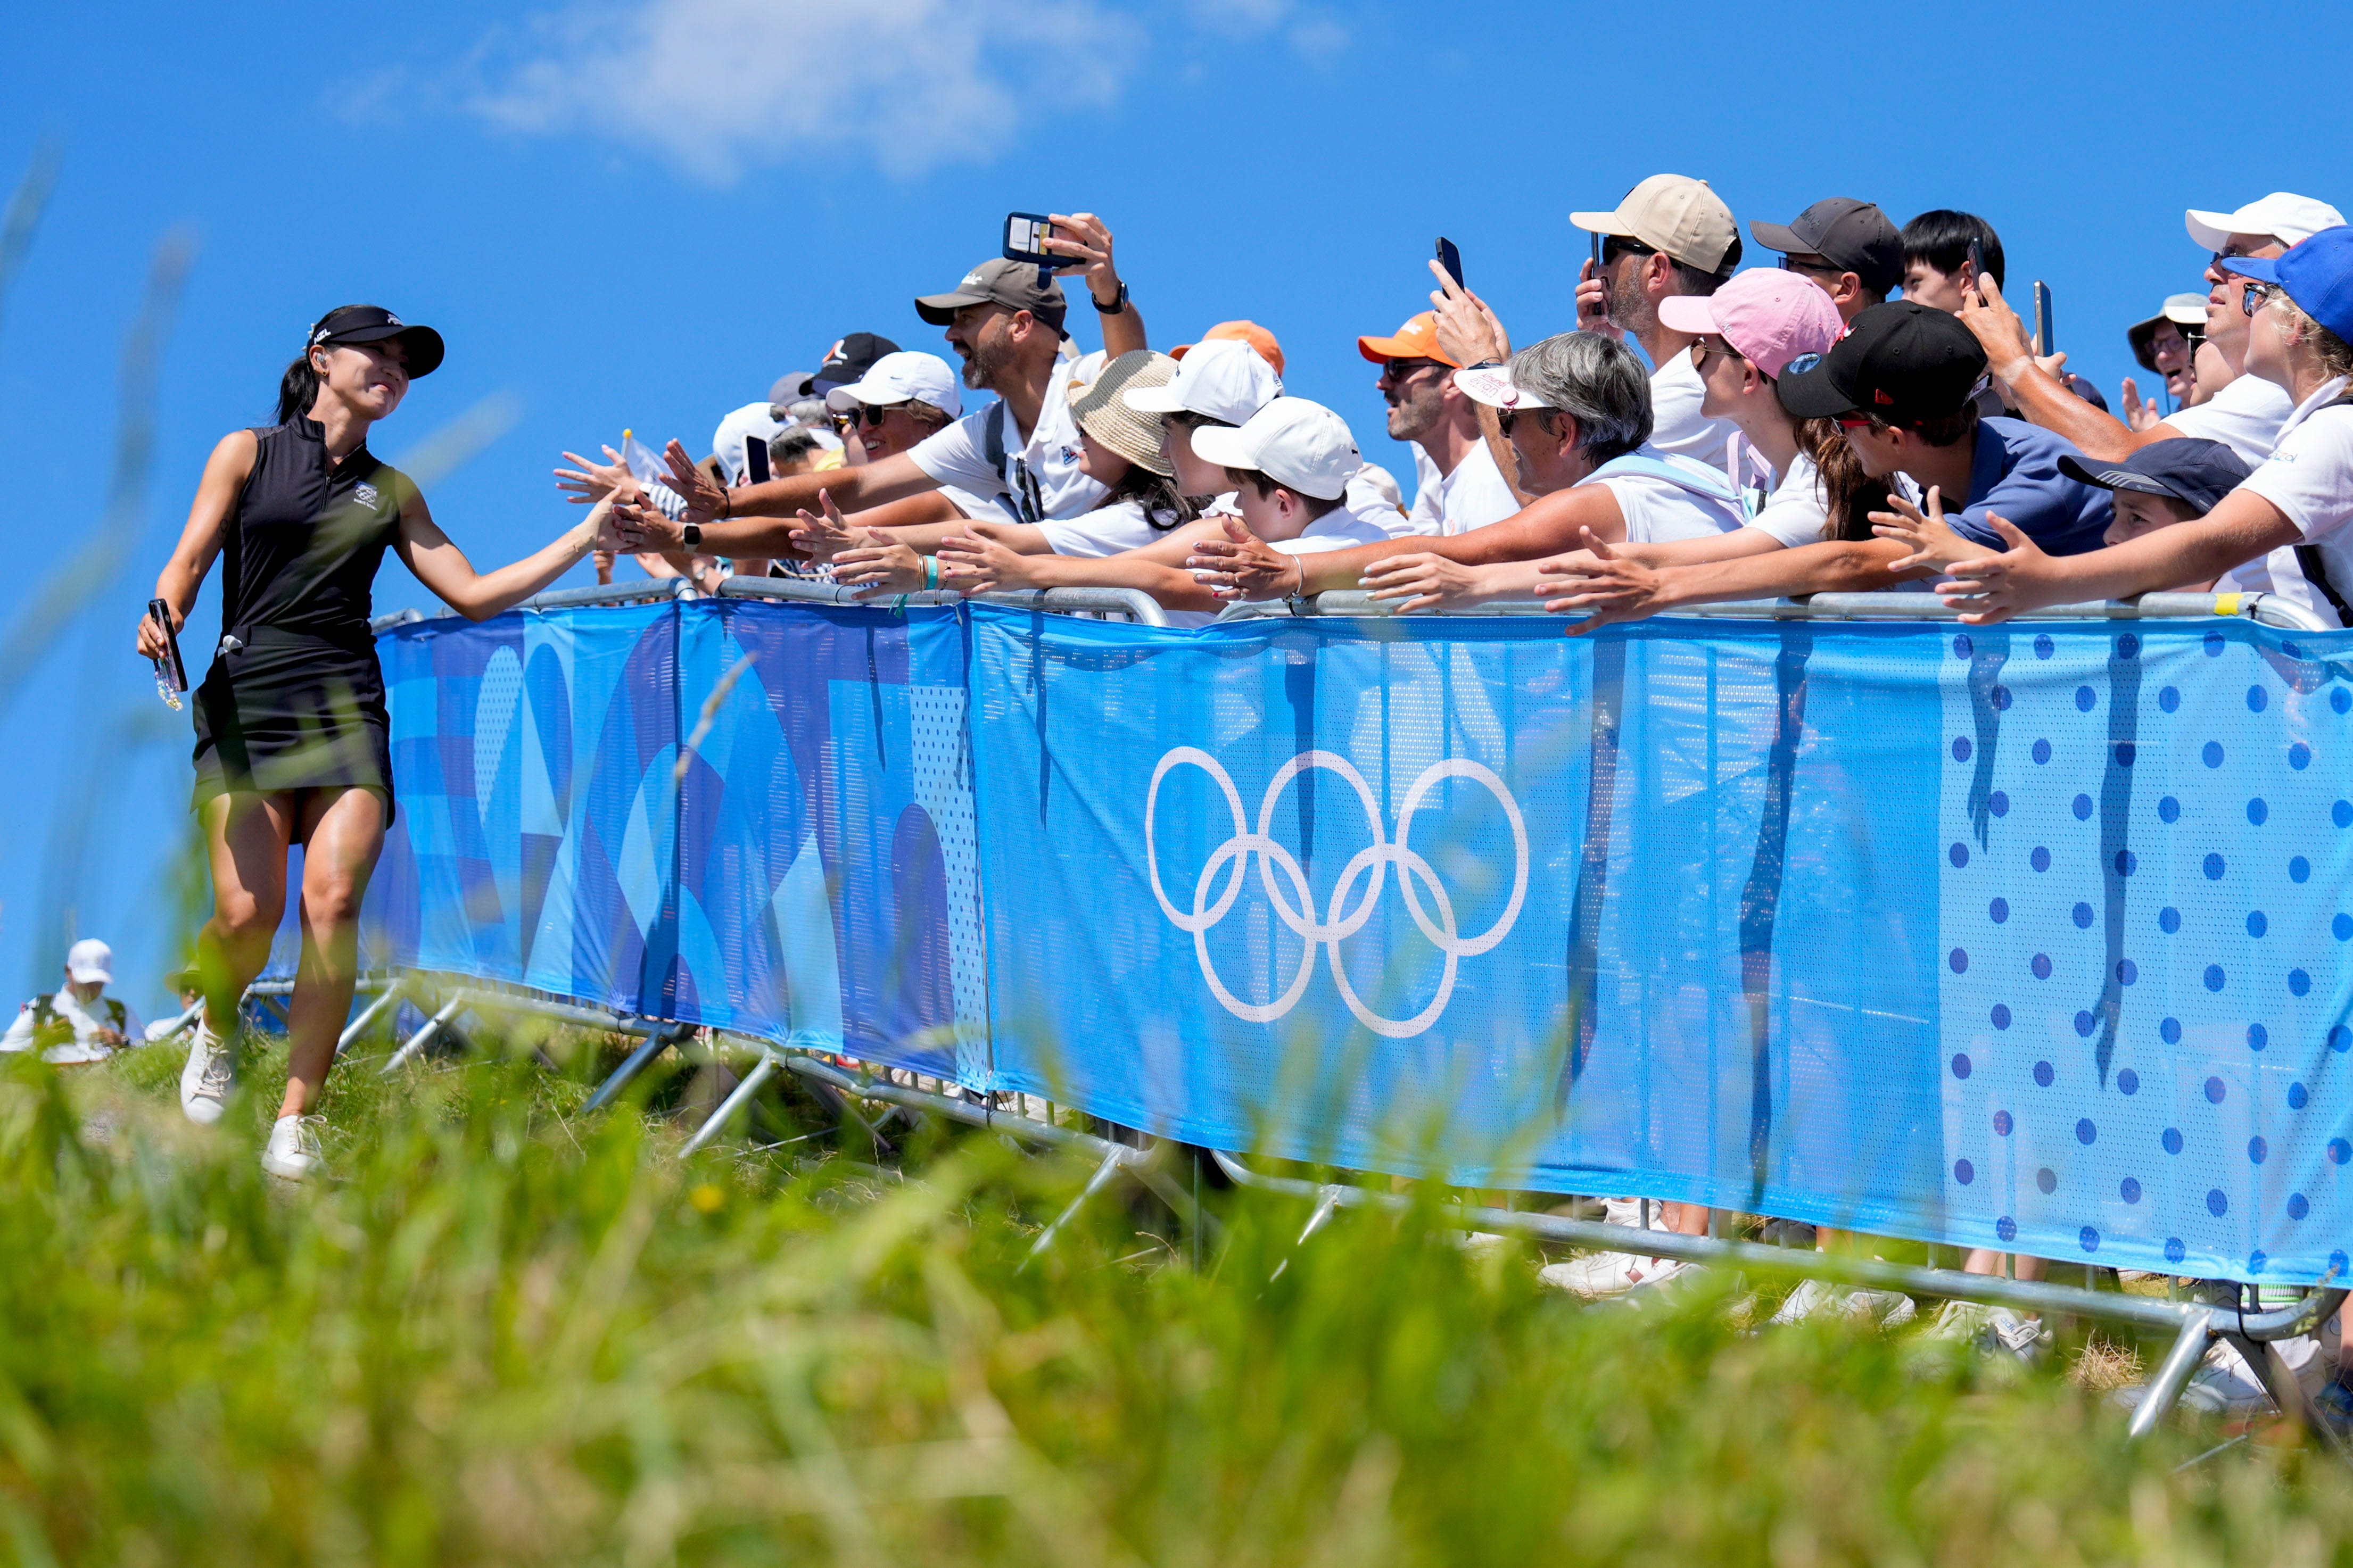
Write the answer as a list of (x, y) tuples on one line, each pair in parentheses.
[(2043, 344), (1451, 259), (171, 674), (1978, 266), (755, 460)]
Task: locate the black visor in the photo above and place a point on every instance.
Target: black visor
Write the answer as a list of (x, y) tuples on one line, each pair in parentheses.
[(374, 324)]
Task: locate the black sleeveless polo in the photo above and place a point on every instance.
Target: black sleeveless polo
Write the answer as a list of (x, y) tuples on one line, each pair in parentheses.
[(294, 700)]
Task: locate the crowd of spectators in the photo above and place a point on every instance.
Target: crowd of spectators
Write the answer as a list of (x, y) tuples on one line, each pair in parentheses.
[(1868, 412)]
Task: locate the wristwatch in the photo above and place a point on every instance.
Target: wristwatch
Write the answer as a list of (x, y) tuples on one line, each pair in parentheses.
[(1115, 306), (691, 535)]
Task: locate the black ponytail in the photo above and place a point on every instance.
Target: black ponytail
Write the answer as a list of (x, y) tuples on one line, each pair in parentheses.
[(299, 387)]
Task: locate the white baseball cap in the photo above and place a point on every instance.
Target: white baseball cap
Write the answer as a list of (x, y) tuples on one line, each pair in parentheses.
[(753, 420), (2285, 215), (1223, 378), (1299, 443), (91, 961), (902, 377), (1492, 387)]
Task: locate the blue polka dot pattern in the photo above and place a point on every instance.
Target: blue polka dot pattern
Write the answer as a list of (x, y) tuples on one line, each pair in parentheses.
[(2143, 875)]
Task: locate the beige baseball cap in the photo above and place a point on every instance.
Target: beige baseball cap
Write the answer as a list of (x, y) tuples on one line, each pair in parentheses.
[(1677, 215)]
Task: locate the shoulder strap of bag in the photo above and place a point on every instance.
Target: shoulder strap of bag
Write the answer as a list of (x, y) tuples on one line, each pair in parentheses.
[(992, 440)]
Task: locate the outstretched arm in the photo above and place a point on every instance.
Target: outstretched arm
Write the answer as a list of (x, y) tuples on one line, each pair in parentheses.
[(1245, 567), (1617, 589), (2242, 527), (982, 562), (441, 566), (2038, 391)]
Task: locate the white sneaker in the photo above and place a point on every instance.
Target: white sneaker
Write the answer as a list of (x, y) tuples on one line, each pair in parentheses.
[(208, 1076), (2223, 1384), (1817, 1299), (1994, 1331), (292, 1152), (1602, 1274)]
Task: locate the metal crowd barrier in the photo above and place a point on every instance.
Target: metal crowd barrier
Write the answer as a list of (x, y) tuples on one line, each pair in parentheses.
[(2194, 1325), (2266, 609)]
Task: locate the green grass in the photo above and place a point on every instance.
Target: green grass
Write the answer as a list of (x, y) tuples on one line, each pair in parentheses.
[(510, 1333)]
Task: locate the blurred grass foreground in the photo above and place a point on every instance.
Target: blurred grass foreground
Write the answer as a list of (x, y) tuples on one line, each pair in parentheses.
[(507, 1332)]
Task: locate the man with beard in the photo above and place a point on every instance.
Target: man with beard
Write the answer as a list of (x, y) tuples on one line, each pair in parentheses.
[(1672, 235), (1462, 487), (1006, 322)]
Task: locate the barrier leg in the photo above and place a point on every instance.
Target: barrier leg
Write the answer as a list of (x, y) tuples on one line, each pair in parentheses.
[(1325, 1204), (358, 1027), (416, 1042), (2172, 1377), (656, 1043), (744, 1091), (1112, 1162)]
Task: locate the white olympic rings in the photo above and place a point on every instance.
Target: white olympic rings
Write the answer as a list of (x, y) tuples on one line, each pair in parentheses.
[(1367, 870)]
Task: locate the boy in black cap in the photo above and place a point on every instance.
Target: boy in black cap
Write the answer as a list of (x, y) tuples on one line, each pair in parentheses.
[(1900, 384), (2156, 486), (1848, 247)]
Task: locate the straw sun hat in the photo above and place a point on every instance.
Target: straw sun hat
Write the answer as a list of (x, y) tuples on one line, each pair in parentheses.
[(1104, 414)]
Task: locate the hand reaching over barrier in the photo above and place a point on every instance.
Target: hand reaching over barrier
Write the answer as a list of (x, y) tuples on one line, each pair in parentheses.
[(876, 564), (1931, 539), (1426, 581), (1991, 588), (978, 562), (1597, 579), (821, 534), (1243, 566), (592, 481)]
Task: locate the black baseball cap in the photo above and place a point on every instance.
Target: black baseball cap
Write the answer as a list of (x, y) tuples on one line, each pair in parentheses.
[(997, 282), (374, 324), (2190, 469), (1901, 361), (1855, 237), (848, 359)]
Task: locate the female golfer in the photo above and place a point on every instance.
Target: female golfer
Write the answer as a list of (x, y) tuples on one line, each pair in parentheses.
[(293, 744)]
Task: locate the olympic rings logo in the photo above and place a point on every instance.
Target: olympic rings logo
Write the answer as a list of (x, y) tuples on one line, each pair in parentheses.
[(1362, 882)]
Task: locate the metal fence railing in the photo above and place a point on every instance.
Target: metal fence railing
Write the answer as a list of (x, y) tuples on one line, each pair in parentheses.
[(2266, 609)]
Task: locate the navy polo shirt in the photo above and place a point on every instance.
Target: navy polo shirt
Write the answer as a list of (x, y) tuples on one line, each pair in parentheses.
[(2017, 476)]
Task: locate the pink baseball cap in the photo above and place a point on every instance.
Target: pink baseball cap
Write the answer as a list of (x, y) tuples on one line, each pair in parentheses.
[(1769, 315)]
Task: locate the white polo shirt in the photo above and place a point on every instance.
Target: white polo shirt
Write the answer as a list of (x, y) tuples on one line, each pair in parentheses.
[(1041, 477), (2309, 477), (1472, 495), (1677, 427), (1657, 508), (85, 1022), (1798, 510), (1106, 531), (2247, 416)]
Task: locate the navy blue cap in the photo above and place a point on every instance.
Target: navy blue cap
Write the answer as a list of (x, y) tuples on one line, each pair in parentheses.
[(2317, 273), (2197, 472)]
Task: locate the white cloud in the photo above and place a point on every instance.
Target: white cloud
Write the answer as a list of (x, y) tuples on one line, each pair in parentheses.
[(720, 85)]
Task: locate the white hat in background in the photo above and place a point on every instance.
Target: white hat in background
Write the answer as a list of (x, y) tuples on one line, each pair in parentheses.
[(753, 420), (1300, 445), (91, 961), (1492, 387), (1223, 378), (2285, 215), (902, 377)]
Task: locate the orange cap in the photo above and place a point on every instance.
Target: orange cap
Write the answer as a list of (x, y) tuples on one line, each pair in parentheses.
[(1418, 339), (1248, 332)]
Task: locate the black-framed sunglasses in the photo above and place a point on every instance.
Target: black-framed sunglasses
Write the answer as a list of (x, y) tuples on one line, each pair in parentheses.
[(1507, 417), (2257, 295), (1614, 246), (1819, 265), (871, 414), (1399, 369)]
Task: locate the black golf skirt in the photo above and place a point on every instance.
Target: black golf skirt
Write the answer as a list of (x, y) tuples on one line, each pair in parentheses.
[(292, 710)]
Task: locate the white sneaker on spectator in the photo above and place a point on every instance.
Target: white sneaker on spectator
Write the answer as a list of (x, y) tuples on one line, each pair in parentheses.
[(1601, 1274), (2223, 1385), (1993, 1331), (1815, 1299), (292, 1152), (207, 1076)]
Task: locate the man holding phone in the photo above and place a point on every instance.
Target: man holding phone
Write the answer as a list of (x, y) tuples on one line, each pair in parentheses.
[(1672, 235), (2246, 414), (1460, 486), (1007, 324)]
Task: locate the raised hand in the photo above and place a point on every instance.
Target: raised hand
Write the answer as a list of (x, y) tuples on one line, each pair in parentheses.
[(820, 535), (1599, 579), (704, 499), (638, 525), (878, 565), (592, 481), (2008, 348), (1593, 301), (1422, 580), (1994, 587), (1082, 237), (1932, 541), (1243, 566), (1468, 331), (977, 562), (2139, 415)]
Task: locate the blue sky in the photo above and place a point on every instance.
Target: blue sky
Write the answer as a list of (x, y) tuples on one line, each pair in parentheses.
[(640, 212)]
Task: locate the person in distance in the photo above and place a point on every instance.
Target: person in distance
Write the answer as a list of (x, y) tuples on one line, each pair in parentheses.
[(2166, 344), (79, 1023)]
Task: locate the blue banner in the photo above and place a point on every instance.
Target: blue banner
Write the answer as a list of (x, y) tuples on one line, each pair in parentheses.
[(2029, 937)]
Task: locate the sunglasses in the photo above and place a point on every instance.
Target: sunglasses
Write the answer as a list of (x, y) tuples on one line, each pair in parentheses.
[(1507, 417), (2256, 296), (1399, 369), (1702, 349), (1614, 246), (870, 413), (1819, 265)]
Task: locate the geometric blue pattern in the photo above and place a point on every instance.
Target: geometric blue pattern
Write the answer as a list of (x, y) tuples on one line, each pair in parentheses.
[(2031, 936)]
